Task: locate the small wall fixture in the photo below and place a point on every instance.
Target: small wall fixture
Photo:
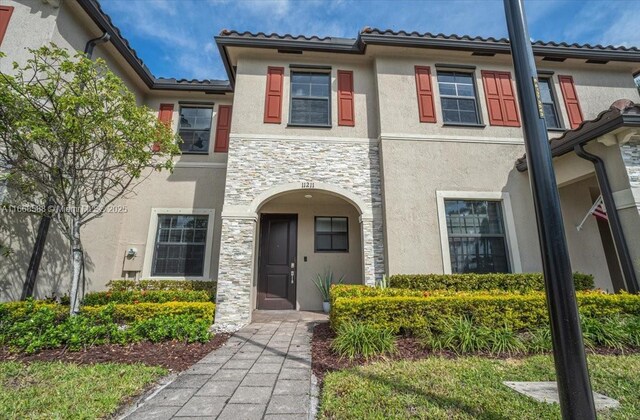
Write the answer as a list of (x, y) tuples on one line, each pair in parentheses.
[(308, 196), (132, 252)]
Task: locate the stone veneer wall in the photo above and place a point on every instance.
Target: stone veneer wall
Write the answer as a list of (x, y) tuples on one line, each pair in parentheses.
[(631, 157), (257, 165)]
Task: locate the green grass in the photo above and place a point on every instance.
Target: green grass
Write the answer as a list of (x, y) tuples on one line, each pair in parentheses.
[(55, 390), (468, 387)]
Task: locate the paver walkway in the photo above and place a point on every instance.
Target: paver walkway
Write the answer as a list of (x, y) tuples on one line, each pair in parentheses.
[(262, 372)]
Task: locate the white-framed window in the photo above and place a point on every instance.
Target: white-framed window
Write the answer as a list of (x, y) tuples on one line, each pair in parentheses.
[(477, 232), (458, 97), (179, 243)]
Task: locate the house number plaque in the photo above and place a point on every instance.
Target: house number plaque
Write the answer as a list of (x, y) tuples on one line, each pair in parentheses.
[(305, 184)]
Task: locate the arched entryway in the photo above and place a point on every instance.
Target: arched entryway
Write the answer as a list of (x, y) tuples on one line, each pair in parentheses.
[(301, 234)]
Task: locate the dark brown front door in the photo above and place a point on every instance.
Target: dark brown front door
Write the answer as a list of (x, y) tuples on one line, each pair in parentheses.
[(277, 261)]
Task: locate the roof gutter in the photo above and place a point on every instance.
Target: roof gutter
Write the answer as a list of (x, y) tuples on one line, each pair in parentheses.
[(622, 250)]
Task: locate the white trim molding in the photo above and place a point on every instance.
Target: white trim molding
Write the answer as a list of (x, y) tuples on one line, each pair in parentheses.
[(207, 165), (507, 211), (452, 139), (151, 240), (313, 139)]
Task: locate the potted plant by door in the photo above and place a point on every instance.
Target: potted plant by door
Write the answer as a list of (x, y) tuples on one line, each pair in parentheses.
[(323, 282)]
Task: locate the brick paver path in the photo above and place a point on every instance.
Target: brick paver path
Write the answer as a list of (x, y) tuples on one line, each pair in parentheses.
[(262, 372)]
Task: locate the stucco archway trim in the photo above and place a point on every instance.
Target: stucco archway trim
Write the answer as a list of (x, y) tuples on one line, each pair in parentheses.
[(251, 210)]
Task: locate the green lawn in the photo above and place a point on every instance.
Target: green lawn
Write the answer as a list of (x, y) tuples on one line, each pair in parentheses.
[(55, 390), (465, 388)]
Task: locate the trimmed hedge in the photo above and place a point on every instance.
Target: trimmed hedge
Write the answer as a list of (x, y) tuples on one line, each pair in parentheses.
[(145, 296), (128, 285), (121, 313), (125, 313), (491, 310), (516, 282)]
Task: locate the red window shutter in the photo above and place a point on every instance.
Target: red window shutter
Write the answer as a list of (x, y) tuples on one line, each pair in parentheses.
[(273, 100), (501, 99), (223, 127), (346, 115), (165, 115), (571, 100), (5, 15), (426, 108)]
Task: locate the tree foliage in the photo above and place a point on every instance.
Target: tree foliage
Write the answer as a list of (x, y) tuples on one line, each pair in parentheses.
[(73, 135)]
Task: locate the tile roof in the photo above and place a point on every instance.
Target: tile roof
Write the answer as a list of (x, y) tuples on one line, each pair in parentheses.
[(504, 41), (104, 22), (621, 112)]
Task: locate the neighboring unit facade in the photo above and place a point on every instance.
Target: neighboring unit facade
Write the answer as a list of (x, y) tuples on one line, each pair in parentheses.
[(390, 153)]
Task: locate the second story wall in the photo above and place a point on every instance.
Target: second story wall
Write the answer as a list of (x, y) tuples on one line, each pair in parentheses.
[(251, 81), (597, 86)]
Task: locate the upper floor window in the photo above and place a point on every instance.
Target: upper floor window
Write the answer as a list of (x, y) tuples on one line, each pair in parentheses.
[(310, 99), (477, 241), (458, 97), (549, 103), (180, 245), (195, 129)]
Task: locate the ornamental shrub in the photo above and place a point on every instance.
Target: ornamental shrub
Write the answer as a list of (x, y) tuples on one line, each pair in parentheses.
[(356, 339), (511, 282), (129, 285), (492, 310), (145, 296), (32, 326), (126, 313)]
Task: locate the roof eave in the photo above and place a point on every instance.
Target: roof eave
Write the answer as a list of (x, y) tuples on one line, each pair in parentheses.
[(589, 135), (99, 18), (492, 47)]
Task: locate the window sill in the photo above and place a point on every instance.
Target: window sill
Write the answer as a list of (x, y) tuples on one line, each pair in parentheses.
[(309, 125), (331, 252), (463, 125), (557, 130), (195, 153)]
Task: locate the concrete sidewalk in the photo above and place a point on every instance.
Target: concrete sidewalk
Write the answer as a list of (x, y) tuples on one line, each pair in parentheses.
[(262, 372)]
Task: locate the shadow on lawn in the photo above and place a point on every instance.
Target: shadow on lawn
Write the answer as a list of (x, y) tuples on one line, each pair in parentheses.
[(449, 403)]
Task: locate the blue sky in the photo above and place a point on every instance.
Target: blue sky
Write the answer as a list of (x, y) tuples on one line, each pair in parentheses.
[(175, 37)]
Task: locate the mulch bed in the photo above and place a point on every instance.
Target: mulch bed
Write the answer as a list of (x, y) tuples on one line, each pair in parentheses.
[(173, 355), (324, 360)]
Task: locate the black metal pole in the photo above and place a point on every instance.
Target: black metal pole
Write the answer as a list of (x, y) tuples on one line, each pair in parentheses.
[(576, 398)]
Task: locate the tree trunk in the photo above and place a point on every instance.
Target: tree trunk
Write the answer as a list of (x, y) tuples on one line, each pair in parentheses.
[(76, 261)]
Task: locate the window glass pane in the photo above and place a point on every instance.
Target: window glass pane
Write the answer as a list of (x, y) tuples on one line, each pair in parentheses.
[(451, 116), (550, 116), (449, 104), (464, 78), (180, 245), (323, 242), (339, 242), (339, 224), (301, 78), (467, 105), (298, 89), (446, 77), (545, 91), (320, 79), (323, 224), (447, 89), (320, 90), (309, 111), (466, 90), (477, 240)]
